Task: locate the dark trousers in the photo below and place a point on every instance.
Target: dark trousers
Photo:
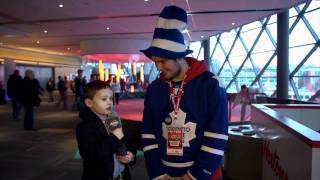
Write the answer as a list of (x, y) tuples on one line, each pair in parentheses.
[(63, 99), (50, 93), (28, 117), (16, 106)]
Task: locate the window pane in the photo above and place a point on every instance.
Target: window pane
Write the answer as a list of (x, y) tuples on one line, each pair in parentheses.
[(195, 46), (226, 80), (308, 76), (227, 42), (214, 66), (238, 49), (229, 34), (292, 12), (297, 54), (307, 87), (300, 35), (250, 36), (247, 70), (226, 71), (313, 5), (218, 56), (314, 20), (264, 44), (232, 88), (251, 26), (201, 54), (273, 30), (260, 59), (273, 19), (269, 78), (302, 5), (236, 62), (213, 41)]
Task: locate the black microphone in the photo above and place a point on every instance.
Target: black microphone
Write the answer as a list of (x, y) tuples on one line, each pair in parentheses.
[(113, 122)]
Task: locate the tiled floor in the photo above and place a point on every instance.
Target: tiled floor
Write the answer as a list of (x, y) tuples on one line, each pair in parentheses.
[(45, 154)]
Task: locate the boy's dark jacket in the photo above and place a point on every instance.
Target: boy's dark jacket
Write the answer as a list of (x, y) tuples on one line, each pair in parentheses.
[(97, 147)]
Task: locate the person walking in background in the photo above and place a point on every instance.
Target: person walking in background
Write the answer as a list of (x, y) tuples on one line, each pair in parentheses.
[(50, 88), (62, 88), (116, 89), (14, 89), (80, 83), (185, 118), (243, 98), (30, 98), (123, 86), (2, 94)]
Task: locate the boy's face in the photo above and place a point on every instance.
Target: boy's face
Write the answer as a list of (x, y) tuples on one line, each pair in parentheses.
[(102, 102)]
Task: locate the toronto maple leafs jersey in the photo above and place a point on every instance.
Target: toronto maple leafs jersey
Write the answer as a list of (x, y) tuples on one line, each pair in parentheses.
[(203, 117)]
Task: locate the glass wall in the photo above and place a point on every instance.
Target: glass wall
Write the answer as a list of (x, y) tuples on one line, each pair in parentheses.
[(252, 58)]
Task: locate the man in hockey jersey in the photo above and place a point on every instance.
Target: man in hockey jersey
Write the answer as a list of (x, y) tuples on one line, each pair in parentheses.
[(185, 110)]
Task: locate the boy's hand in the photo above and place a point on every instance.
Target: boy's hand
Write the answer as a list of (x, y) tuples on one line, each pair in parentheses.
[(118, 133), (127, 158)]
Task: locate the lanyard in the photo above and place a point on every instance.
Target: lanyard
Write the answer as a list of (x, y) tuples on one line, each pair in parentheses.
[(176, 99)]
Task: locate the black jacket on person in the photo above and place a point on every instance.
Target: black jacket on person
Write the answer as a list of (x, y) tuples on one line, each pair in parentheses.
[(79, 86), (50, 86), (14, 86), (31, 92), (97, 147)]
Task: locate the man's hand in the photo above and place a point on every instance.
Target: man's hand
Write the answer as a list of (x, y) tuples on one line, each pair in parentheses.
[(127, 158)]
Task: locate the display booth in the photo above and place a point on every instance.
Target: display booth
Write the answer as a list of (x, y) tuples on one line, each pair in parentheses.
[(281, 142)]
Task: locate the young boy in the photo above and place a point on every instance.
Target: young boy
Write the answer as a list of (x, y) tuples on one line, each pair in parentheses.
[(97, 143)]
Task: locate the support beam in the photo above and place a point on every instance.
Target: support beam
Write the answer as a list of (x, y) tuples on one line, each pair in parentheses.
[(283, 55), (206, 51)]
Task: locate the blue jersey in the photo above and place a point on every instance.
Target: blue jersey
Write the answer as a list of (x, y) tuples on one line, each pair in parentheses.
[(203, 117)]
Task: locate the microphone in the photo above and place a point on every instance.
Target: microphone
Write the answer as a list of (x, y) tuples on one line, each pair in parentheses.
[(113, 122)]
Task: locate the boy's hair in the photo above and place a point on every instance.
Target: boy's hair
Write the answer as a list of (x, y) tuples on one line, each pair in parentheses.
[(92, 87)]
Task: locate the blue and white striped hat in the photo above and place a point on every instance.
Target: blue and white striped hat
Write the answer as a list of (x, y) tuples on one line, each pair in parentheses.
[(168, 40)]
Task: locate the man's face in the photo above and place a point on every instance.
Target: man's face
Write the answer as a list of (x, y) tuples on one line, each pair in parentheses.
[(80, 74), (102, 102), (169, 68)]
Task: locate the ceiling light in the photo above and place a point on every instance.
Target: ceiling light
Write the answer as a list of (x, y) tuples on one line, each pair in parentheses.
[(202, 36), (45, 31), (146, 0), (108, 28), (69, 49), (61, 5), (38, 42), (233, 24)]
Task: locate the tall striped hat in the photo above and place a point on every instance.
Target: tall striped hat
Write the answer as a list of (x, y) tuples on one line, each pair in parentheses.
[(168, 40)]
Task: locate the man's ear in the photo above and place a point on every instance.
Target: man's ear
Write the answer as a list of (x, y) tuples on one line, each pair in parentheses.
[(88, 102)]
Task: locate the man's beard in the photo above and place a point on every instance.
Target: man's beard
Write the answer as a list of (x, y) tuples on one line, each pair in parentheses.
[(176, 74)]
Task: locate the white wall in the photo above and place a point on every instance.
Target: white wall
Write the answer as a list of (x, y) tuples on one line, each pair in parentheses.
[(307, 117)]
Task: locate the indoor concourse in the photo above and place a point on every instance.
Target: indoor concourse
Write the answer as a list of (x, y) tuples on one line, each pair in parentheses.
[(265, 53)]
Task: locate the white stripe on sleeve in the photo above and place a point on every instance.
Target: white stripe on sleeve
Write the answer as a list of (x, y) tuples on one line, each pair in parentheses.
[(148, 136), (147, 148), (215, 135), (212, 150)]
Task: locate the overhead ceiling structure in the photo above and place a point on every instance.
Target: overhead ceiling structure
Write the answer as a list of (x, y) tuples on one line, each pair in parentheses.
[(61, 26)]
